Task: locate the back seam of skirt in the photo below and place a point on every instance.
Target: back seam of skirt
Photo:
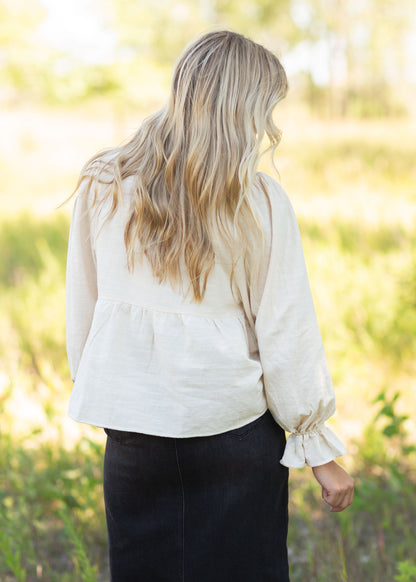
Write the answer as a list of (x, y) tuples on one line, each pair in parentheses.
[(183, 513)]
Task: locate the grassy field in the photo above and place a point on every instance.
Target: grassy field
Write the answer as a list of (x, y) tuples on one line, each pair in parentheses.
[(353, 188)]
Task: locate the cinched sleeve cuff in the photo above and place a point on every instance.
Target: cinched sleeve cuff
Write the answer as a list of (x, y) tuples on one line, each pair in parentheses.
[(313, 448)]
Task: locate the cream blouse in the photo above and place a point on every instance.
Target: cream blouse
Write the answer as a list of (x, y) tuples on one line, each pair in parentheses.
[(145, 358)]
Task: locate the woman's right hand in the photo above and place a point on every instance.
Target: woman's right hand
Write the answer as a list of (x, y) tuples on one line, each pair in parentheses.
[(337, 485)]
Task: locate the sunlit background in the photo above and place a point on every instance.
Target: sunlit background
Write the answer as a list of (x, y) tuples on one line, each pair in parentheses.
[(78, 76)]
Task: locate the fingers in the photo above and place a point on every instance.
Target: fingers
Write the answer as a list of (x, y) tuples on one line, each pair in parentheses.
[(337, 485), (341, 498)]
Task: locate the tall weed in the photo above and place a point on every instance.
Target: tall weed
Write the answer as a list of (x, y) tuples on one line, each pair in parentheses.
[(83, 567)]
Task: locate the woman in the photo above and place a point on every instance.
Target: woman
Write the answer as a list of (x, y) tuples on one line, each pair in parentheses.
[(191, 332)]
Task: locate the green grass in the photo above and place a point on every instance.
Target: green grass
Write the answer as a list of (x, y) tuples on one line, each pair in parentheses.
[(51, 508), (351, 187)]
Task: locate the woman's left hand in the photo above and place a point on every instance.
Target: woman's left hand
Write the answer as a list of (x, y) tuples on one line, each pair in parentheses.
[(337, 485)]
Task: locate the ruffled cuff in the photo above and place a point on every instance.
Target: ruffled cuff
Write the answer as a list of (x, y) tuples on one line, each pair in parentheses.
[(314, 448)]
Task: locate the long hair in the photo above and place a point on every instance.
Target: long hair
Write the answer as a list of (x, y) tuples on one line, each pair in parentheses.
[(194, 162)]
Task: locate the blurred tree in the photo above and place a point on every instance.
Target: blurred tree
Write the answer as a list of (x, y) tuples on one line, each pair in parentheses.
[(151, 40), (356, 50), (365, 51), (354, 54), (261, 19), (19, 20), (164, 32), (30, 70), (151, 34)]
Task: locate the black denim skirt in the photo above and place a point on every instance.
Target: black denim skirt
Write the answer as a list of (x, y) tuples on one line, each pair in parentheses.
[(200, 509)]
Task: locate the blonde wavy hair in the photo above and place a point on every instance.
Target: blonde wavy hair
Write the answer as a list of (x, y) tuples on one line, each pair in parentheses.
[(194, 162)]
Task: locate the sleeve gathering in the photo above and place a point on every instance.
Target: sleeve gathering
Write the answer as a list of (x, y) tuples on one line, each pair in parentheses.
[(297, 382), (81, 279)]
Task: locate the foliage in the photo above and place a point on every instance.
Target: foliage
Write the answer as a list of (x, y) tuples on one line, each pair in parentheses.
[(47, 497), (407, 572), (11, 557), (23, 258), (377, 531), (363, 274), (363, 58), (32, 267), (83, 566)]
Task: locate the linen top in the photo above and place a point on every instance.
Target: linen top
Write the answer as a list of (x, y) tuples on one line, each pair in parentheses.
[(145, 357)]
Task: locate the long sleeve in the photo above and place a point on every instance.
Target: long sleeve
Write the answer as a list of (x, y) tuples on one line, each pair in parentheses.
[(297, 382), (81, 280)]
